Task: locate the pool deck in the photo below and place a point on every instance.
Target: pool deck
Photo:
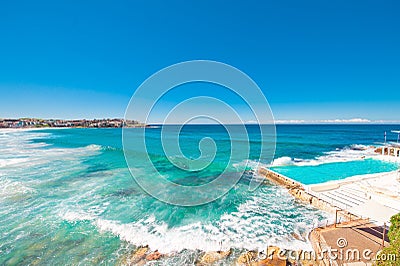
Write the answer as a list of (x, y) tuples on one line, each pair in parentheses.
[(373, 196)]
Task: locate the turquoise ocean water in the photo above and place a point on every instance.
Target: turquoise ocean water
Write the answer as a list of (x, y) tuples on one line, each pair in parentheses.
[(67, 196)]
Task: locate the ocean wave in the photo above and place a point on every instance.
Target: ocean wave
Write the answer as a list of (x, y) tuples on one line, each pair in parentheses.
[(349, 153), (20, 149), (12, 161), (96, 147), (251, 164), (10, 188), (231, 232), (93, 147), (257, 223), (75, 216), (285, 160)]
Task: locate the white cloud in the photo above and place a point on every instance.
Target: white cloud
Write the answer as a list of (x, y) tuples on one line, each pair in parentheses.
[(325, 121), (353, 120), (290, 121)]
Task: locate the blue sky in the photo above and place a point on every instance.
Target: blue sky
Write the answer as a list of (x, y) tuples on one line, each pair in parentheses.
[(314, 60)]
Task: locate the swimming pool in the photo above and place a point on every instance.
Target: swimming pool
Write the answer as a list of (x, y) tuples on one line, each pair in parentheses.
[(314, 174)]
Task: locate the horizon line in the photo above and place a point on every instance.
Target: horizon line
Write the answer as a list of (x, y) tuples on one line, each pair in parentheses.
[(353, 121)]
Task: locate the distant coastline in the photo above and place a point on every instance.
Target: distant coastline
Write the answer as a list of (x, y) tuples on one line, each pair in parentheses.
[(62, 123)]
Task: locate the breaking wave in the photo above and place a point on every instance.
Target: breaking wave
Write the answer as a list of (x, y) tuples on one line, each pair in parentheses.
[(350, 153), (257, 223)]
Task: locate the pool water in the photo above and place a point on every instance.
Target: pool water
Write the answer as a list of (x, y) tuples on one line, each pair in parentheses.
[(314, 174)]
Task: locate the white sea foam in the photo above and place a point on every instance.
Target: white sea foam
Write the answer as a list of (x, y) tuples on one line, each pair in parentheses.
[(257, 223), (17, 149), (351, 153), (10, 188), (12, 161), (93, 147), (231, 232), (24, 161), (285, 160), (253, 164), (74, 216)]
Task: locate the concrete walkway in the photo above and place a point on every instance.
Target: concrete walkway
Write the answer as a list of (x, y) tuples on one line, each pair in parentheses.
[(354, 243)]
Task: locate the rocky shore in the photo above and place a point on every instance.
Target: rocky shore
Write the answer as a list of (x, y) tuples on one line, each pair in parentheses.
[(272, 256)]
